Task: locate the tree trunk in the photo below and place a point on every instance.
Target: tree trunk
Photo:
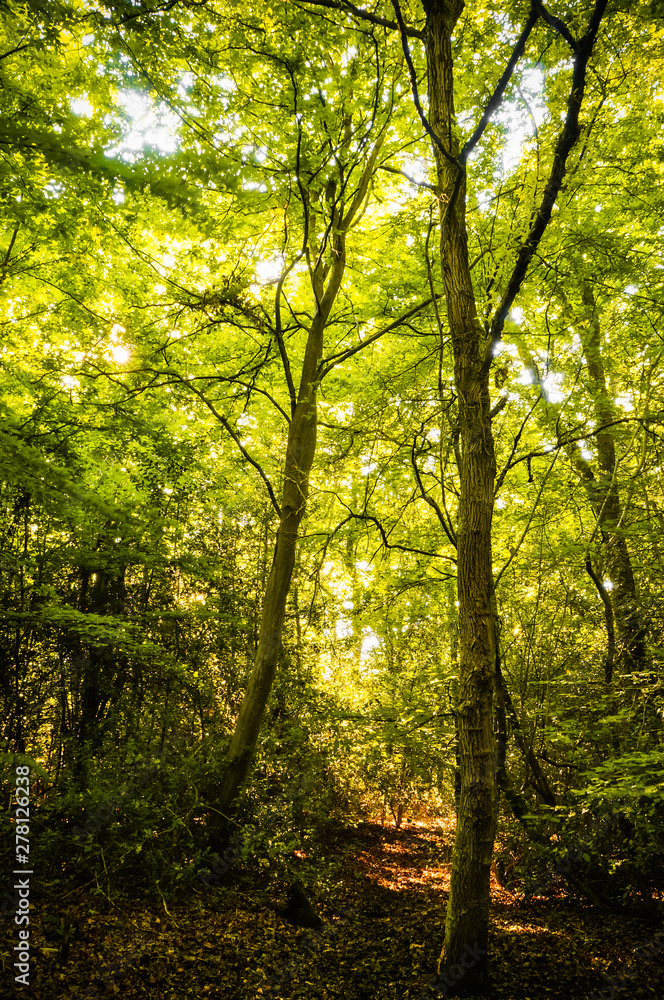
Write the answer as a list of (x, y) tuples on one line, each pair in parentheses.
[(463, 963), (326, 278), (606, 496), (300, 450), (464, 957)]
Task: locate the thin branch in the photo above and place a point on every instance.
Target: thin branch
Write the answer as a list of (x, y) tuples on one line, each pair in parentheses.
[(402, 173), (3, 266), (515, 551), (227, 426), (555, 763), (498, 93), (327, 364), (19, 48), (279, 337), (365, 15), (430, 500), (563, 443), (515, 443), (158, 9), (566, 142), (386, 542), (559, 26), (252, 387), (432, 289)]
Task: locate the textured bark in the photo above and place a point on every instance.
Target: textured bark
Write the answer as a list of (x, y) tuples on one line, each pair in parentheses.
[(464, 957), (463, 962)]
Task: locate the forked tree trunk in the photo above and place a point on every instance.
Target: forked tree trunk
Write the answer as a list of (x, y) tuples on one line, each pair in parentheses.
[(463, 963), (326, 281), (464, 954)]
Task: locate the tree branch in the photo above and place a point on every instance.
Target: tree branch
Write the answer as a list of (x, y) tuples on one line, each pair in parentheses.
[(233, 434), (386, 542), (364, 15), (327, 364), (497, 95), (566, 141), (278, 333), (395, 170), (19, 48), (558, 25), (430, 500)]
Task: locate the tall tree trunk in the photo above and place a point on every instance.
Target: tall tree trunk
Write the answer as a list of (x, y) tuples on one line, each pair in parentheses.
[(300, 451), (326, 278), (463, 963), (606, 496), (464, 956)]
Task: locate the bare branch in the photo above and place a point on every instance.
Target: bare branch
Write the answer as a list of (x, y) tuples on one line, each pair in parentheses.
[(430, 500), (497, 96), (233, 434), (392, 545), (395, 170), (558, 25)]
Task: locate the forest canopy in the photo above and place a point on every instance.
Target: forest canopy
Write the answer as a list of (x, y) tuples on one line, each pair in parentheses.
[(332, 396)]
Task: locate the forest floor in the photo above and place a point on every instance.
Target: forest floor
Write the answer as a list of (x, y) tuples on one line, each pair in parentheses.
[(381, 905)]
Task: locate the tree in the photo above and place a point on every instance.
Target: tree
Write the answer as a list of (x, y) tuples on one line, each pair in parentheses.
[(467, 919)]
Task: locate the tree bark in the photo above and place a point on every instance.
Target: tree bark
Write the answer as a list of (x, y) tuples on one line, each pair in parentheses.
[(464, 957), (300, 451), (463, 962)]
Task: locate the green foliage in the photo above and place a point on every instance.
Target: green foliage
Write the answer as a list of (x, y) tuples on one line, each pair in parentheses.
[(169, 180)]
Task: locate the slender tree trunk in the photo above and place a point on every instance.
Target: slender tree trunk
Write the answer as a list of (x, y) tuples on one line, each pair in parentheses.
[(326, 278), (463, 963), (464, 957), (631, 633), (604, 496), (300, 451)]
